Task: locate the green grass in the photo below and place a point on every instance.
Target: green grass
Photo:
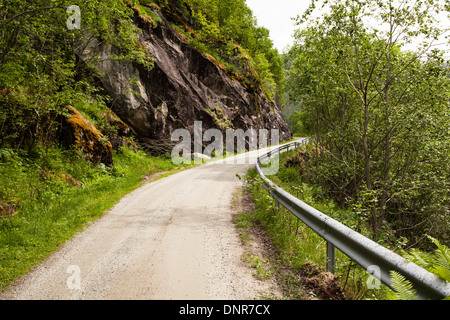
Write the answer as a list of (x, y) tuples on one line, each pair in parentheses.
[(298, 245), (56, 193), (263, 269)]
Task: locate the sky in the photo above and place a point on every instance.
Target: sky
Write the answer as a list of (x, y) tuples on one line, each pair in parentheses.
[(275, 15)]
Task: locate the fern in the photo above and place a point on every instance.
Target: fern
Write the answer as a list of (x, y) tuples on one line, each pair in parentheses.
[(5, 154), (403, 289), (440, 261), (437, 262)]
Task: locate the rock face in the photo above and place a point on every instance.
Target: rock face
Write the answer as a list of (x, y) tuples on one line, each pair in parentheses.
[(76, 130), (184, 86)]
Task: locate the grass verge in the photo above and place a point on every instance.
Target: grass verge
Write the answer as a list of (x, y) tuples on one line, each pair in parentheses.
[(300, 259), (49, 195)]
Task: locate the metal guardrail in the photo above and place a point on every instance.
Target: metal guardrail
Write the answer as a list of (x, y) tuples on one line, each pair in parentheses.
[(376, 259)]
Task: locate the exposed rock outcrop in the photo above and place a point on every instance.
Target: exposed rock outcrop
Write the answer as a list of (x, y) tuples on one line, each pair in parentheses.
[(184, 86), (76, 130)]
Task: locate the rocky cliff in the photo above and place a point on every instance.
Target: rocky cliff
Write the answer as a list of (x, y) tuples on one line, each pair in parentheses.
[(184, 86)]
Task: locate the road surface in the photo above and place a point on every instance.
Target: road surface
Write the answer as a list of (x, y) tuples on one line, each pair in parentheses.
[(170, 239)]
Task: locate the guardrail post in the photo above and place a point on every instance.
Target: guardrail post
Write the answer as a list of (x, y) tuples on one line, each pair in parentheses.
[(330, 257)]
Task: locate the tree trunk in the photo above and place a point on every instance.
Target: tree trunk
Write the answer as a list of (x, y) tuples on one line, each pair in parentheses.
[(388, 137)]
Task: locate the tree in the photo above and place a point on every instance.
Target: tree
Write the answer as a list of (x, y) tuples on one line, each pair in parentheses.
[(39, 67), (367, 98)]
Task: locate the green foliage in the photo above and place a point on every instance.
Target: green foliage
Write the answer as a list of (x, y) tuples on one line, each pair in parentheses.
[(143, 8), (437, 262), (295, 121), (403, 288), (378, 112), (39, 68), (298, 245)]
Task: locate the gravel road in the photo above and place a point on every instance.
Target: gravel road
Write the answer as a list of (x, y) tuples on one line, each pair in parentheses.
[(170, 239)]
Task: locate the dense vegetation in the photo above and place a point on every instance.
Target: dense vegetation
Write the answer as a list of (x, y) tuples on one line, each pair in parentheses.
[(379, 114), (39, 68), (301, 251)]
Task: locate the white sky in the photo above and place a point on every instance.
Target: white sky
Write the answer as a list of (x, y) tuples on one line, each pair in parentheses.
[(275, 15)]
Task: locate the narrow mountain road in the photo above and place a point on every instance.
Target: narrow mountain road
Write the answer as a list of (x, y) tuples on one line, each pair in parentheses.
[(170, 239)]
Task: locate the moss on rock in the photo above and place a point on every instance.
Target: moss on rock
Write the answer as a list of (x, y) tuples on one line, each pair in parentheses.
[(78, 131)]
